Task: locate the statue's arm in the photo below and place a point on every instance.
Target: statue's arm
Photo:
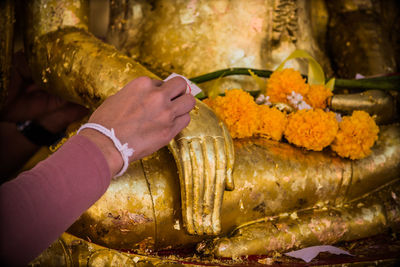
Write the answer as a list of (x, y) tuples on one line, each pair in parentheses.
[(68, 60)]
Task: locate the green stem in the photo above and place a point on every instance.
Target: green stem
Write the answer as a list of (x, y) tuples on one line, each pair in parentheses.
[(227, 72), (382, 83)]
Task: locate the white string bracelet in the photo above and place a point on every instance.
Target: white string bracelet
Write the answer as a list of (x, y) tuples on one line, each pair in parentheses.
[(125, 151)]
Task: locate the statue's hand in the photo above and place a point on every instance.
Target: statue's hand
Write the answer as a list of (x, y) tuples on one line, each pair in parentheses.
[(204, 155)]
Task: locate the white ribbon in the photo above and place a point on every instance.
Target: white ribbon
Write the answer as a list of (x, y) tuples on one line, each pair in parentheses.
[(125, 151)]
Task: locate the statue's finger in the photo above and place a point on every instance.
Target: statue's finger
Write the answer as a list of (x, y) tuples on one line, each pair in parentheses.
[(196, 155), (209, 183), (176, 152), (220, 176), (230, 158), (186, 186)]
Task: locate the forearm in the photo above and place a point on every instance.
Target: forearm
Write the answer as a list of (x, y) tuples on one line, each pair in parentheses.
[(40, 204)]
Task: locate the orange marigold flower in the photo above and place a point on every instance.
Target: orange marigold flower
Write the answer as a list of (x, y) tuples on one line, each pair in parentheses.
[(357, 134), (272, 122), (238, 110), (312, 129), (209, 102), (282, 83), (317, 96)]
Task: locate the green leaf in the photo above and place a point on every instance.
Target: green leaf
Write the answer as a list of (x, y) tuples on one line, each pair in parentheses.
[(259, 81), (200, 95), (330, 84), (213, 91), (315, 74)]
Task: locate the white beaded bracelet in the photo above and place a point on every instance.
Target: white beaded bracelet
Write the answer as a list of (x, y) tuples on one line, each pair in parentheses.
[(125, 151)]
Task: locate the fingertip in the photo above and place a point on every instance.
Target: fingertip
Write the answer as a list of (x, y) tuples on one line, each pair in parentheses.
[(230, 185), (179, 124), (184, 122), (187, 119), (193, 101), (190, 101), (179, 80)]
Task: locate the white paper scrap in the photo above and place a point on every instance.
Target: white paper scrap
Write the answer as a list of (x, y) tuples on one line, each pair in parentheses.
[(191, 87), (307, 254), (359, 76)]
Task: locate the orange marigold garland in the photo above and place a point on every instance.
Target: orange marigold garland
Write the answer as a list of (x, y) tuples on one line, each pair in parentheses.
[(311, 129), (283, 83), (238, 110), (357, 134), (317, 96), (272, 123), (210, 102)]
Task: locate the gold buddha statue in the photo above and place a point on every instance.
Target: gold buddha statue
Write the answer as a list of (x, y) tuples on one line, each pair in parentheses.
[(284, 197), (195, 37)]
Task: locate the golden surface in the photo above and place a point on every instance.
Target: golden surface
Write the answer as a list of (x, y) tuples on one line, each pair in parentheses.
[(71, 251), (365, 217), (197, 37), (377, 103), (271, 179), (77, 66)]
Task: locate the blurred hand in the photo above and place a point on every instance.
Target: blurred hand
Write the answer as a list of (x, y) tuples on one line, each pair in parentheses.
[(26, 101), (146, 114)]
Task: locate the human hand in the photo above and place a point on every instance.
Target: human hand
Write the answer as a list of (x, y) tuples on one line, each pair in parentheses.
[(204, 154), (26, 101), (146, 114)]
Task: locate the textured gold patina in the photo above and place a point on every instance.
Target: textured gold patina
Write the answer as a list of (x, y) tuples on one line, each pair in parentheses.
[(196, 37), (285, 198), (70, 61), (363, 217), (271, 178), (377, 103), (72, 251)]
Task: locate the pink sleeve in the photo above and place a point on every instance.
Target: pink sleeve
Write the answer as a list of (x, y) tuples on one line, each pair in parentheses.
[(40, 204)]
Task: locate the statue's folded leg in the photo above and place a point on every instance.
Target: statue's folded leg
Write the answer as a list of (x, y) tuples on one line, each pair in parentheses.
[(361, 218)]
